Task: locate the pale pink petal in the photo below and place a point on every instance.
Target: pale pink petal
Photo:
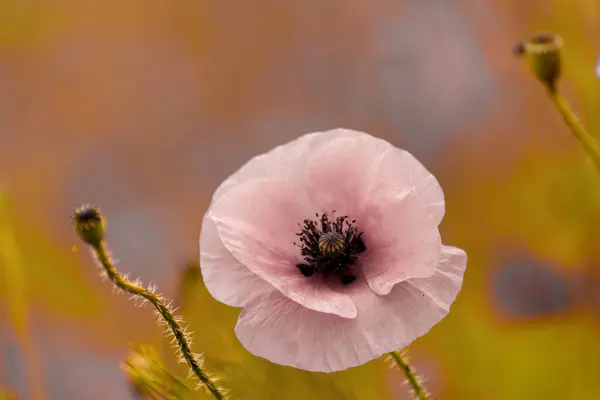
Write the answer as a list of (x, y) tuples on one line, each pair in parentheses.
[(227, 280), (257, 222), (402, 242), (287, 160), (371, 181), (445, 284), (339, 174), (282, 331), (426, 185), (350, 169)]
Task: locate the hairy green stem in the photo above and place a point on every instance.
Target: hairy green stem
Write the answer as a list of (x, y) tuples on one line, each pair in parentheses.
[(410, 376), (585, 138), (173, 322)]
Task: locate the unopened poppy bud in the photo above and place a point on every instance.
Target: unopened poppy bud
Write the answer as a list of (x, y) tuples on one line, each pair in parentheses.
[(543, 53), (89, 224)]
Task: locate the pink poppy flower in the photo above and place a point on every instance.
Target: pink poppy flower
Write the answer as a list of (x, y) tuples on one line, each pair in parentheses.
[(330, 243)]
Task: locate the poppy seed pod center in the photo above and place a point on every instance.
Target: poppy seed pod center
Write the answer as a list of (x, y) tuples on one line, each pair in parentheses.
[(330, 247)]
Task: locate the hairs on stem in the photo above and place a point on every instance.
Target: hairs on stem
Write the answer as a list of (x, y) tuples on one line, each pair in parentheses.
[(90, 225), (417, 388)]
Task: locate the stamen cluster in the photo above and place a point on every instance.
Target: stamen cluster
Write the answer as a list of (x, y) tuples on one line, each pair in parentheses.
[(330, 247)]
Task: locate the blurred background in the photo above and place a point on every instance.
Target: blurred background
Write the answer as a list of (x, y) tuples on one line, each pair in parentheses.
[(144, 107)]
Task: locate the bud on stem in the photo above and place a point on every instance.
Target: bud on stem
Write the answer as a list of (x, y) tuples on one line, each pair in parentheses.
[(544, 55), (543, 52), (89, 224)]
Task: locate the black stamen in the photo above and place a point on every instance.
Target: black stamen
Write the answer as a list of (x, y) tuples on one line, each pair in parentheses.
[(348, 279), (306, 270), (330, 247)]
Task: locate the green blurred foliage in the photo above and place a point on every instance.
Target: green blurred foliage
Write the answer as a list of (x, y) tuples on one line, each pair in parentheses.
[(38, 269), (16, 21), (5, 395), (11, 267), (150, 378)]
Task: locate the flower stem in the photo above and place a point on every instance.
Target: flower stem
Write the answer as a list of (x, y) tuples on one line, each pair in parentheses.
[(173, 322), (585, 138), (410, 376)]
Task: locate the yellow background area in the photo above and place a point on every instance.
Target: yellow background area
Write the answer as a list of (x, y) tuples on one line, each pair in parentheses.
[(144, 107)]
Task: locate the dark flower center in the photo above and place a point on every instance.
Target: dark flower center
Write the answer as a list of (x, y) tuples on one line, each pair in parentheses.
[(88, 215), (330, 247)]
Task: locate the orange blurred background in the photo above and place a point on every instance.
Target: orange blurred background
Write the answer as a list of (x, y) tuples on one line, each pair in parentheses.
[(144, 107)]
